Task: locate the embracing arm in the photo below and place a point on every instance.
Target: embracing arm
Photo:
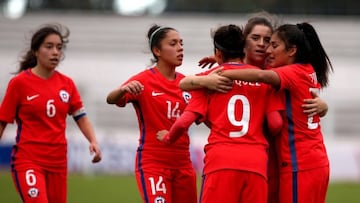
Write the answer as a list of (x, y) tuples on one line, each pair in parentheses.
[(315, 106), (212, 81), (192, 82), (254, 75), (178, 129), (207, 61), (87, 129)]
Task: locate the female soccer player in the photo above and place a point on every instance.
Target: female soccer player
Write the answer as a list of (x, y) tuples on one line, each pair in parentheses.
[(257, 32), (39, 98), (235, 167), (301, 66), (164, 173)]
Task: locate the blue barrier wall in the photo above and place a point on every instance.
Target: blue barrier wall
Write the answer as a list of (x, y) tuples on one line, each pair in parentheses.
[(5, 152)]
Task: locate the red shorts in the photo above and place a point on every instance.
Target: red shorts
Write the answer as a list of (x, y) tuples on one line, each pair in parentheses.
[(309, 186), (167, 185), (36, 185), (233, 186)]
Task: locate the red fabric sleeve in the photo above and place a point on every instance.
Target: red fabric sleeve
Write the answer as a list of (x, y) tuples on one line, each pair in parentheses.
[(274, 122), (180, 126)]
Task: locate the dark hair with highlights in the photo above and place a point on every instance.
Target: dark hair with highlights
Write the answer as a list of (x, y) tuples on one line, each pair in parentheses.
[(261, 18)]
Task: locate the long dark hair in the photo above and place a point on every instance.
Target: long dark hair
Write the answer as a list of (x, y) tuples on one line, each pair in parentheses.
[(29, 60), (309, 48)]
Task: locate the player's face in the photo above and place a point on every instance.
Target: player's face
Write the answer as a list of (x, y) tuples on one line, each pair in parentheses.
[(278, 54), (257, 42), (171, 51), (50, 52)]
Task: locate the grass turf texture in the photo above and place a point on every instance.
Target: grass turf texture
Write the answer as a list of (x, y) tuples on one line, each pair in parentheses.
[(113, 188)]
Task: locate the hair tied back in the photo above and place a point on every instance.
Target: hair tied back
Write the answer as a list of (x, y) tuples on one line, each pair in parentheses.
[(300, 26)]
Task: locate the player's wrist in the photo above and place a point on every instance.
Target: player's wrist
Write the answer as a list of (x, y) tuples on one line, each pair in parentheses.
[(167, 139)]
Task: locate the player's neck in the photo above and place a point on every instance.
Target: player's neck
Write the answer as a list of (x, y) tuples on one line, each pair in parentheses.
[(42, 72), (260, 64), (234, 61), (166, 71)]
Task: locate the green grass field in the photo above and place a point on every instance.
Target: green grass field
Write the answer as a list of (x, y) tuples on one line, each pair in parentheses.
[(115, 189)]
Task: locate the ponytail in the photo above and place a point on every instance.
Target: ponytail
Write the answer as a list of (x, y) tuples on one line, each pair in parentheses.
[(28, 60), (318, 57), (309, 48)]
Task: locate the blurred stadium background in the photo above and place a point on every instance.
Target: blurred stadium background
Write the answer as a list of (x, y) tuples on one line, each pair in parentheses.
[(108, 44)]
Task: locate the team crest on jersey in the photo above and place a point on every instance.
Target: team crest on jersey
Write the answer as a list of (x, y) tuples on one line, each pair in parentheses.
[(64, 96), (33, 192), (186, 96), (159, 199)]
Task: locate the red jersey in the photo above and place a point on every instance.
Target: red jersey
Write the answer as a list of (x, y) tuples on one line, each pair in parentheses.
[(157, 108), (40, 107), (301, 145), (236, 118)]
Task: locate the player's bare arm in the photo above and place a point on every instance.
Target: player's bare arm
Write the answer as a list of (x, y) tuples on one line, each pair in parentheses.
[(163, 136), (315, 106), (254, 75), (212, 81), (88, 131), (132, 87), (208, 61), (2, 128)]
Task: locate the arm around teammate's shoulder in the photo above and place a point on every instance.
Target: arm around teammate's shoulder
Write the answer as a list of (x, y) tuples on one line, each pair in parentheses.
[(212, 81), (254, 75)]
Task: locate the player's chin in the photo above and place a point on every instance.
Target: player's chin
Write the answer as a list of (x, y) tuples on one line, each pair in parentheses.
[(270, 63), (178, 63)]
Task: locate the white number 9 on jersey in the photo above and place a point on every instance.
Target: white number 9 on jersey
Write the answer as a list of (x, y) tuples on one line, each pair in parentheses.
[(244, 122)]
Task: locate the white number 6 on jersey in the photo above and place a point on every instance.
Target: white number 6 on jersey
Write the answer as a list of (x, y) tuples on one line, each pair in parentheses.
[(50, 108)]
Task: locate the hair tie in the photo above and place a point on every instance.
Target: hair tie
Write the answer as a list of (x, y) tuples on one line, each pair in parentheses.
[(226, 50), (300, 27), (153, 34)]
